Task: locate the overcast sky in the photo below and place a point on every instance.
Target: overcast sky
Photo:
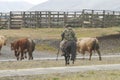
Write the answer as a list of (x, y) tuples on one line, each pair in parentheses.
[(30, 1)]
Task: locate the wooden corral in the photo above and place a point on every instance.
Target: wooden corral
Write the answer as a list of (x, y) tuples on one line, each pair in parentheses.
[(38, 19)]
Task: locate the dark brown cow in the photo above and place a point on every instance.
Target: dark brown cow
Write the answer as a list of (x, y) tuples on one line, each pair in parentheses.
[(22, 46)]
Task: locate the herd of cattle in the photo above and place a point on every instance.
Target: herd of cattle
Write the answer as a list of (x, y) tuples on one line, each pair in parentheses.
[(26, 45), (20, 47)]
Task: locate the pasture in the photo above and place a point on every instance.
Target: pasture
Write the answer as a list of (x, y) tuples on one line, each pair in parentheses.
[(46, 36)]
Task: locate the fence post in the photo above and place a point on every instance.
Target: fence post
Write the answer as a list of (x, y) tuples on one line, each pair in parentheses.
[(0, 19), (40, 19), (103, 18), (65, 18), (83, 17), (113, 19), (92, 18), (75, 15), (9, 20), (23, 16), (49, 19), (58, 18)]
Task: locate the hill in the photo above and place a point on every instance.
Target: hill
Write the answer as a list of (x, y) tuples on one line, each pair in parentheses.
[(76, 5), (6, 6)]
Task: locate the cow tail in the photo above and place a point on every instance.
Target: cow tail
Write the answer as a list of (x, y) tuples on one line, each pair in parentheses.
[(96, 45), (30, 45)]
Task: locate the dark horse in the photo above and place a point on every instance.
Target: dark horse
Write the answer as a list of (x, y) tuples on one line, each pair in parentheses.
[(22, 46), (69, 50)]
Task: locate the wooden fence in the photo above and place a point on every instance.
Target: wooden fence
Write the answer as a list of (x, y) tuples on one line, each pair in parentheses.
[(84, 18)]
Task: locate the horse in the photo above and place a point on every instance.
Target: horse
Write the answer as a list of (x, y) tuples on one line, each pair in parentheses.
[(3, 41), (69, 50), (88, 44), (22, 46)]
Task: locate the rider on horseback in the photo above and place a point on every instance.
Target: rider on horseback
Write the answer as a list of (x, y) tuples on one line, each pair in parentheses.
[(67, 35)]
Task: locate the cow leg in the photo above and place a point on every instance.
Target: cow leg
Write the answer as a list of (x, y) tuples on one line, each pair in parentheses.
[(0, 49), (99, 54), (90, 55), (30, 55), (83, 53), (16, 54), (22, 52), (25, 55)]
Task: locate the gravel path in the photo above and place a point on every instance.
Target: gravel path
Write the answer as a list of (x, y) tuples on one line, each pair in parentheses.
[(35, 71)]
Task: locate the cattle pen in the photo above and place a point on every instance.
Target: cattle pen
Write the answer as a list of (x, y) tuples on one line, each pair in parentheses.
[(39, 19)]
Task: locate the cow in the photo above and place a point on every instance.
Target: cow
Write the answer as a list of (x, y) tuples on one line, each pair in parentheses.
[(88, 44), (69, 50), (3, 41), (22, 46)]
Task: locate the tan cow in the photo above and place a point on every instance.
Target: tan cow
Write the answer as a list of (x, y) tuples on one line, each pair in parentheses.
[(88, 44), (2, 41)]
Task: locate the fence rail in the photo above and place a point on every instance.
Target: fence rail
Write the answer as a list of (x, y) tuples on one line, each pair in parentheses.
[(84, 18)]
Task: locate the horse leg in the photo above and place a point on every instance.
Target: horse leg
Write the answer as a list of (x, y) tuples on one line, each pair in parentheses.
[(73, 61), (65, 60), (68, 58), (99, 54)]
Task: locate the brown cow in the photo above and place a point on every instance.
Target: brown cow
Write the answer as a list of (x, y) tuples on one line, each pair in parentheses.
[(88, 44), (2, 42), (22, 46)]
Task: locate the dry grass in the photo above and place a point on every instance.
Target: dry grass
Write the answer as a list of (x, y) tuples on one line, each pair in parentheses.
[(54, 33), (89, 75)]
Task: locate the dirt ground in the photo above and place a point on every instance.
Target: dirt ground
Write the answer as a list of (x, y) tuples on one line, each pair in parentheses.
[(108, 45)]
